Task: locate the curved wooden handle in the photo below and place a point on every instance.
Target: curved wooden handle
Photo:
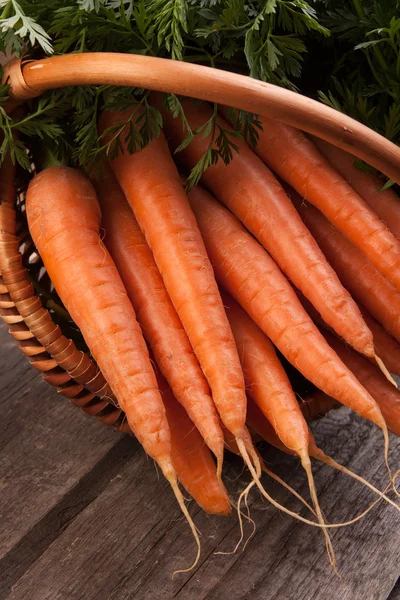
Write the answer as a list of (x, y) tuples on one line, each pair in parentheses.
[(209, 84)]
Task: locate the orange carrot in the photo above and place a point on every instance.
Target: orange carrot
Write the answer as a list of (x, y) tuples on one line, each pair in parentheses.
[(385, 394), (155, 312), (64, 221), (385, 203), (192, 459), (248, 273), (253, 194), (361, 278), (266, 380), (293, 156), (387, 348), (153, 188), (259, 423)]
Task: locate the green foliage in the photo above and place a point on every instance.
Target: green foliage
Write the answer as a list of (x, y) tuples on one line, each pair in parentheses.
[(347, 50), (18, 29), (365, 81), (265, 38)]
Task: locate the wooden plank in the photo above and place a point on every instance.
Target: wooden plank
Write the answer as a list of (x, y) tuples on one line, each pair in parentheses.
[(128, 541), (46, 447)]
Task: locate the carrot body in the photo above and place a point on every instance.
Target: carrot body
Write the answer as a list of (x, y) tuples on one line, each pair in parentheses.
[(387, 348), (293, 156), (259, 423), (152, 186), (385, 394), (192, 459), (361, 278), (155, 312), (249, 189), (64, 221), (266, 380), (385, 203), (249, 274)]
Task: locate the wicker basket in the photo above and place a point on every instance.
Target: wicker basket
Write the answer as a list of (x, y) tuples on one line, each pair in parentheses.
[(71, 370)]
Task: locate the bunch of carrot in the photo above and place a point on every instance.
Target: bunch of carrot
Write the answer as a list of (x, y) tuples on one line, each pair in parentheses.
[(182, 298)]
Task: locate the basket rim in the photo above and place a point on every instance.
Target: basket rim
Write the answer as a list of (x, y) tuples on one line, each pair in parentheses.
[(29, 78)]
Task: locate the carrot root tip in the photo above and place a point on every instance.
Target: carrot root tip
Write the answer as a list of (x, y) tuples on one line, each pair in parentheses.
[(305, 461), (178, 495), (385, 371), (320, 455)]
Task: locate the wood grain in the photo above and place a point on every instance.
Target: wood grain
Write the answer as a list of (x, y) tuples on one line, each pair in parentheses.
[(46, 447), (107, 527)]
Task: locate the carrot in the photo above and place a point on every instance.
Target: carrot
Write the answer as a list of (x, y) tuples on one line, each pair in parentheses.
[(258, 422), (253, 194), (153, 188), (293, 156), (155, 312), (386, 346), (248, 273), (266, 381), (385, 203), (192, 459), (361, 278), (64, 221), (386, 396)]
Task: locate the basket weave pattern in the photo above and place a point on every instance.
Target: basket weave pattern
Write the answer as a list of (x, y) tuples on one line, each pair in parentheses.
[(75, 375)]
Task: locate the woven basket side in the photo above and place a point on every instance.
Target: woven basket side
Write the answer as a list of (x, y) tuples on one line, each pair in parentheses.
[(75, 375)]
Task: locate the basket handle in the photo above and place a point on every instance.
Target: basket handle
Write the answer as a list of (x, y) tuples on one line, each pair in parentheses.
[(30, 79)]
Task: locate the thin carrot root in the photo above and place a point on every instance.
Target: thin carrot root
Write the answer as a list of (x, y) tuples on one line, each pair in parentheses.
[(306, 464), (250, 450), (241, 514), (245, 494), (385, 371), (256, 481), (288, 487), (178, 495), (394, 481), (220, 461), (389, 470), (320, 455)]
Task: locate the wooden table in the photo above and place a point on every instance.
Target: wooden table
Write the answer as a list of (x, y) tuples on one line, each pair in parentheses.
[(85, 515)]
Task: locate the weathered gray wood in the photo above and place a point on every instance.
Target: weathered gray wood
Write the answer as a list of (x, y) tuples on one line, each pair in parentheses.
[(127, 543), (46, 447), (107, 526)]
